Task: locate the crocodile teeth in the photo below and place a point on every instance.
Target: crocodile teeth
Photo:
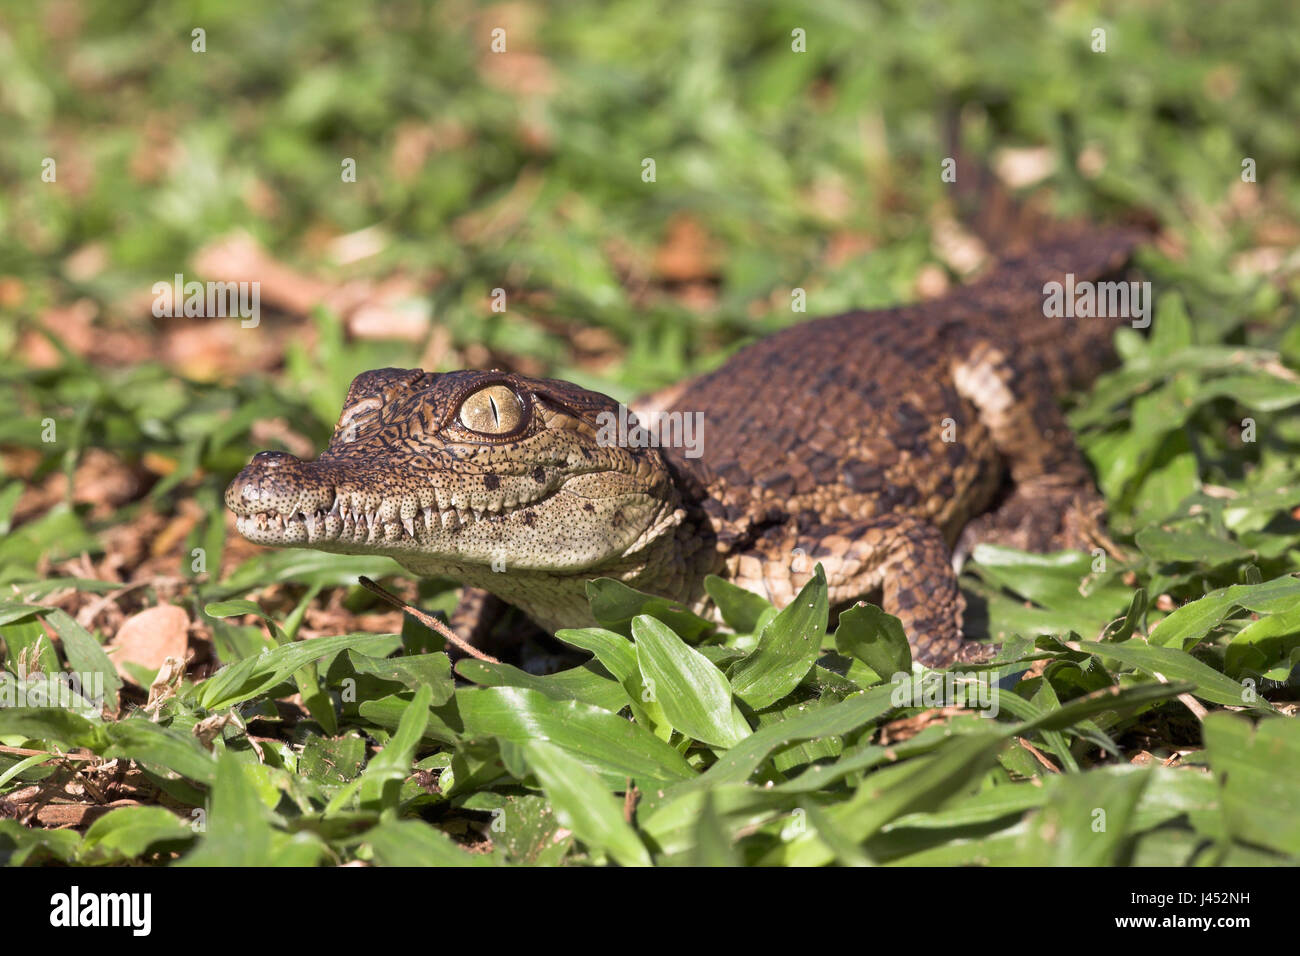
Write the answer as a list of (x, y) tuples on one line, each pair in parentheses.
[(384, 523)]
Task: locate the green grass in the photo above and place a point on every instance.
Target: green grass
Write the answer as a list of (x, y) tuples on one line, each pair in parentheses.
[(1159, 727)]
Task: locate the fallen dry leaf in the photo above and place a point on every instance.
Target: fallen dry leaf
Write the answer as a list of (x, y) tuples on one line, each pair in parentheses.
[(102, 480), (1020, 168), (150, 637), (959, 249), (687, 254)]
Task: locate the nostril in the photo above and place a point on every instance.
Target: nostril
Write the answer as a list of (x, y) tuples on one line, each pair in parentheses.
[(270, 458)]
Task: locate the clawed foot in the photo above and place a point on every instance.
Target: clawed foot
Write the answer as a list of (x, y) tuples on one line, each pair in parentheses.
[(1044, 516)]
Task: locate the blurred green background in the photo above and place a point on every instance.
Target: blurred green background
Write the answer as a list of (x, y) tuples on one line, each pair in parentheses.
[(479, 169), (521, 170)]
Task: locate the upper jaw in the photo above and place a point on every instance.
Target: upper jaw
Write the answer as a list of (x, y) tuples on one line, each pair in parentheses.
[(282, 501)]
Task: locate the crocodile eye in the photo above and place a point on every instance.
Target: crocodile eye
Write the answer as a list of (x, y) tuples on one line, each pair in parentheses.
[(494, 410)]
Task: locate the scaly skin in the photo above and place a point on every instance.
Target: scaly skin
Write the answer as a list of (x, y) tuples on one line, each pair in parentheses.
[(871, 442)]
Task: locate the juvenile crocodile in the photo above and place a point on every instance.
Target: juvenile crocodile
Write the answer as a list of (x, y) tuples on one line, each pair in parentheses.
[(871, 442)]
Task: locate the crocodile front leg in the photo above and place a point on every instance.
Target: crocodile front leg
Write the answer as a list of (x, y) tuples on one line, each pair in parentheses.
[(902, 559), (491, 625), (1053, 503)]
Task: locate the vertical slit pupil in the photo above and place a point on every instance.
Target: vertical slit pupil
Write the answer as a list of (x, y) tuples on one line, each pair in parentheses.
[(496, 414)]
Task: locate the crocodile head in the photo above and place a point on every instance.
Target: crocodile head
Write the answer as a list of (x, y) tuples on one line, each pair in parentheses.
[(463, 474)]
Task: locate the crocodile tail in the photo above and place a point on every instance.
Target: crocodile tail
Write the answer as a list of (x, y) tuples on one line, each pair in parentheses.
[(1008, 224), (1042, 268), (1061, 301), (984, 204)]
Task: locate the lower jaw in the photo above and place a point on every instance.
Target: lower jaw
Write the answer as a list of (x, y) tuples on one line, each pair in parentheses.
[(331, 534), (295, 535)]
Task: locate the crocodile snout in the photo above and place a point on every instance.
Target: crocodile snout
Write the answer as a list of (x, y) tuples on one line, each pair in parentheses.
[(266, 484), (272, 459)]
